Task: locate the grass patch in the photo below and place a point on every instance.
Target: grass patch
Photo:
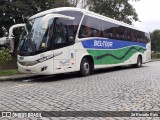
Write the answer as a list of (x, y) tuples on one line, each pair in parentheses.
[(9, 72)]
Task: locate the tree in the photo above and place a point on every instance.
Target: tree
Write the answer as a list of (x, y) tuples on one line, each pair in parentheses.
[(155, 40), (4, 56), (120, 10), (79, 3), (18, 11), (74, 2)]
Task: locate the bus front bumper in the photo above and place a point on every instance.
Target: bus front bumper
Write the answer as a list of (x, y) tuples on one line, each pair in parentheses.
[(41, 69)]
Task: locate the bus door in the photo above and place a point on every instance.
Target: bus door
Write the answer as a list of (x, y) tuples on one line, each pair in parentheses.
[(61, 60), (62, 55)]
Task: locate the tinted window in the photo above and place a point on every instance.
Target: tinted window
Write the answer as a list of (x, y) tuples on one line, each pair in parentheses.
[(74, 26), (117, 32), (61, 35), (91, 27), (108, 29)]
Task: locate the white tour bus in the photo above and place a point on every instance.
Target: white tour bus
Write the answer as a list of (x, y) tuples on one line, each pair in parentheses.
[(68, 39)]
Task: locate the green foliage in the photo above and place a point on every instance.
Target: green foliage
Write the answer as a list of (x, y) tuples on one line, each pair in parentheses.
[(18, 11), (120, 10), (4, 56), (9, 72), (155, 40), (155, 55)]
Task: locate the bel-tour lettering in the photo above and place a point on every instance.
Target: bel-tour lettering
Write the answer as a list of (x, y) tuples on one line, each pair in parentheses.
[(102, 43)]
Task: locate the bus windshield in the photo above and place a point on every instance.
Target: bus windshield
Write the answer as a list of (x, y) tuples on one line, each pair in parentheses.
[(58, 33), (32, 41)]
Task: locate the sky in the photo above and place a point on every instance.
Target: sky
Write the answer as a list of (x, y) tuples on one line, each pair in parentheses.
[(149, 14)]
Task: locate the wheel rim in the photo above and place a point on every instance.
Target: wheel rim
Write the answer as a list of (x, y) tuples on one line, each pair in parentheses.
[(86, 67)]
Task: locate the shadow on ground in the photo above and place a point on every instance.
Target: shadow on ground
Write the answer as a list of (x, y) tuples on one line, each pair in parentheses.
[(51, 78)]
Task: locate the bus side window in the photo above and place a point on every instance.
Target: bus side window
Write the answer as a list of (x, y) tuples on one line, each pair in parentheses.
[(72, 29), (96, 27), (73, 25), (107, 29), (60, 34), (82, 33), (85, 29), (128, 36), (125, 35), (90, 27), (143, 38), (114, 33), (133, 37)]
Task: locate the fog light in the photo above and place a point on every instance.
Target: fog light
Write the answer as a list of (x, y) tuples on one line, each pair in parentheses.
[(43, 69)]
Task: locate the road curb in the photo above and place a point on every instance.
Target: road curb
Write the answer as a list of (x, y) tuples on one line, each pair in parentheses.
[(17, 77), (31, 76), (155, 60)]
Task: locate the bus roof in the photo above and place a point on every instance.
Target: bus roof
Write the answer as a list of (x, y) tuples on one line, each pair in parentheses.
[(55, 10), (86, 12)]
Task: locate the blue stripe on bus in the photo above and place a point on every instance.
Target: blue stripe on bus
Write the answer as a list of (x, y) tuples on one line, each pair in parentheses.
[(109, 44)]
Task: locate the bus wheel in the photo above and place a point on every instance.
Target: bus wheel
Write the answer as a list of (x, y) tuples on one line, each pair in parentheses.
[(85, 68), (139, 62)]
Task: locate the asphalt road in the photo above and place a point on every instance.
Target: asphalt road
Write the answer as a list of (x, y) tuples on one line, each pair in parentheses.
[(114, 89)]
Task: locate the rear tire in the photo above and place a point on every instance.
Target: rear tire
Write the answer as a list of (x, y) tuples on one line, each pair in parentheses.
[(85, 68), (139, 62)]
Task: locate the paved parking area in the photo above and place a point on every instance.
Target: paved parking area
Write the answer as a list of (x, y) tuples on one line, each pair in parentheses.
[(118, 89)]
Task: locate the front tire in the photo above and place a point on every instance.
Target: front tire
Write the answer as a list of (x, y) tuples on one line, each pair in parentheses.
[(85, 68)]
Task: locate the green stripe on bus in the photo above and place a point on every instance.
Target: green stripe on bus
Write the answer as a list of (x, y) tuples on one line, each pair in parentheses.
[(114, 56)]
